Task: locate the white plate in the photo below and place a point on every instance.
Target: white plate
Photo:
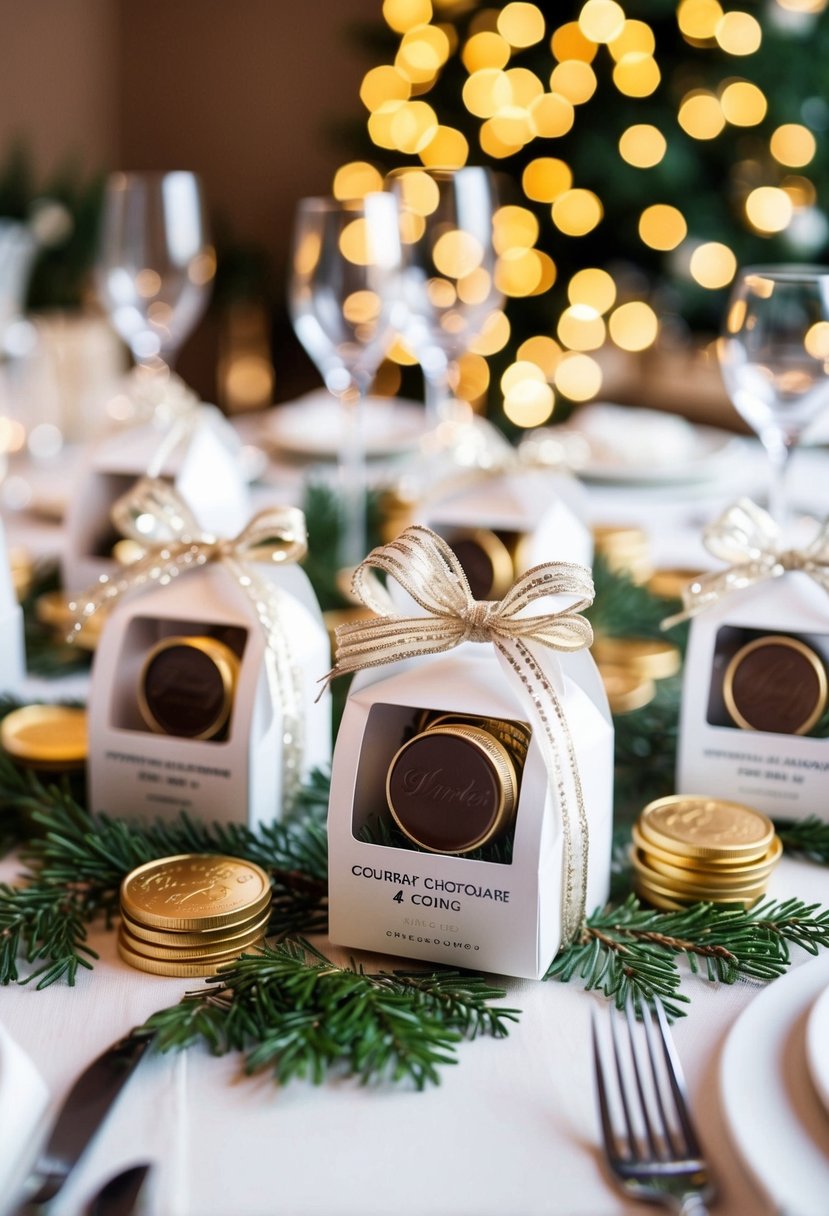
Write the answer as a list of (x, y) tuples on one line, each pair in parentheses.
[(704, 462), (314, 425), (817, 1046), (775, 1118)]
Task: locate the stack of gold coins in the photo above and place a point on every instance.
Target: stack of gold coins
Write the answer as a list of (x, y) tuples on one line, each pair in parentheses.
[(625, 549), (689, 849), (189, 914)]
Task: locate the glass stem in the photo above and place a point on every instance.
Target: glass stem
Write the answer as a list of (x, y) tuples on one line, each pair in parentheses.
[(779, 453), (439, 391), (353, 479)]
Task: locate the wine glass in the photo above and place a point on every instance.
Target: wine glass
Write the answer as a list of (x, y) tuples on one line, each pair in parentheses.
[(448, 286), (342, 291), (774, 356), (155, 264)]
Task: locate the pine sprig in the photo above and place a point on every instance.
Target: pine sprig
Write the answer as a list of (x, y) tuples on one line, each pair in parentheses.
[(630, 949), (809, 837), (294, 1013), (75, 863)]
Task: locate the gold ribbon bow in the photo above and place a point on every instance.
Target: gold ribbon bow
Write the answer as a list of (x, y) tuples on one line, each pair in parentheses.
[(154, 514), (747, 538), (424, 566)]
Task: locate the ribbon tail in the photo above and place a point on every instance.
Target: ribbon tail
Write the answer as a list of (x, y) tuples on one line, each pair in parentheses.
[(546, 714), (281, 672)]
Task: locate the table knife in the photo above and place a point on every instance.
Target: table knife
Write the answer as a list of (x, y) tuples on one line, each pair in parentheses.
[(83, 1112)]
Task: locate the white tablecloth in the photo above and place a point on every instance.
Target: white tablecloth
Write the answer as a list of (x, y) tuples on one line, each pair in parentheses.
[(513, 1127)]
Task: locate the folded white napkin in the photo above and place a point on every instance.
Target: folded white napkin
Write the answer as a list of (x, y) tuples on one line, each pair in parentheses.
[(23, 1101)]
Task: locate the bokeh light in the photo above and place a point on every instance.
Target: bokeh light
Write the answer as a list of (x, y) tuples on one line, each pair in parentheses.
[(577, 212), (593, 287), (793, 144), (356, 179), (633, 326), (739, 33), (575, 80), (580, 327), (701, 115), (743, 103), (485, 50), (545, 178), (521, 25), (601, 20), (578, 376), (403, 15), (642, 145), (570, 42), (662, 226), (769, 209), (713, 265)]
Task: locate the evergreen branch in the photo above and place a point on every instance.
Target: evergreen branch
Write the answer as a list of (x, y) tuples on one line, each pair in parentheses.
[(632, 949), (291, 1011), (75, 863), (809, 837)]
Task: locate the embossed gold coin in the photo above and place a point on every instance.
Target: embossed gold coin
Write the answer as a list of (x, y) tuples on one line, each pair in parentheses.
[(157, 966), (205, 952), (667, 898), (210, 939), (709, 829), (47, 737), (676, 865), (698, 885), (195, 891), (648, 657)]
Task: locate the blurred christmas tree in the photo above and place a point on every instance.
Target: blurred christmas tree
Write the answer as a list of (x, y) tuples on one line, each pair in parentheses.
[(644, 151)]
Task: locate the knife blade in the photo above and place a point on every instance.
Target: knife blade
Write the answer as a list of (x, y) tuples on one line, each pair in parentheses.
[(82, 1113), (119, 1196)]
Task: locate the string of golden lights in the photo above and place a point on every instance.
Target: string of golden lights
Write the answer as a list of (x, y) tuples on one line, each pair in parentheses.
[(515, 107)]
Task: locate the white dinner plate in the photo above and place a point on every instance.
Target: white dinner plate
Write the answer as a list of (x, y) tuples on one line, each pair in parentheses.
[(774, 1116), (315, 426), (817, 1045), (703, 462)]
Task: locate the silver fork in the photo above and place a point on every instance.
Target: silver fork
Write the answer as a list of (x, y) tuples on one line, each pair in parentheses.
[(652, 1148)]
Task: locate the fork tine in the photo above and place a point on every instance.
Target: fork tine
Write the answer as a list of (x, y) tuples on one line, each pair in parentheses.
[(622, 1087), (668, 1127), (604, 1108), (677, 1080), (637, 1074)]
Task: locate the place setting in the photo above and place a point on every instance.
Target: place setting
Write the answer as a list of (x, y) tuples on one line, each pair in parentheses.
[(414, 685)]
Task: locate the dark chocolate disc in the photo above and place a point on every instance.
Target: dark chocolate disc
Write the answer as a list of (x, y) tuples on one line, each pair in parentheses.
[(451, 789), (776, 684), (187, 687)]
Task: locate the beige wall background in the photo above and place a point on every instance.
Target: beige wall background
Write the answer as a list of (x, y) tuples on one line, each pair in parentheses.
[(245, 92)]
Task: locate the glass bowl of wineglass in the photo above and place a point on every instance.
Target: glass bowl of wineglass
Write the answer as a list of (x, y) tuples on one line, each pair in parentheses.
[(448, 285), (155, 264), (774, 357), (342, 295)]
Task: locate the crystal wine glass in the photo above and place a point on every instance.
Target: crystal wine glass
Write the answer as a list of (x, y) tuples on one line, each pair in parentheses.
[(345, 263), (155, 263), (448, 286), (774, 356)]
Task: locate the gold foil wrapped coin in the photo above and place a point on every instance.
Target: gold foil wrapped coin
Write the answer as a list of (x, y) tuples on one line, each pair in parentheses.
[(707, 829), (46, 737), (193, 891), (649, 658), (669, 584), (666, 898), (206, 951), (670, 863), (626, 689), (156, 966), (625, 549), (777, 684), (225, 938), (695, 885)]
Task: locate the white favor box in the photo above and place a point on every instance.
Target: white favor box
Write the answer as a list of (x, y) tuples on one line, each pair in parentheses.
[(541, 505), (455, 910), (13, 648), (782, 775), (138, 774), (204, 468)]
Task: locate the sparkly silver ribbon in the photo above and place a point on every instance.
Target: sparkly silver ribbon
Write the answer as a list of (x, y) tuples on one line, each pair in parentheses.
[(154, 514), (747, 538), (424, 566)]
